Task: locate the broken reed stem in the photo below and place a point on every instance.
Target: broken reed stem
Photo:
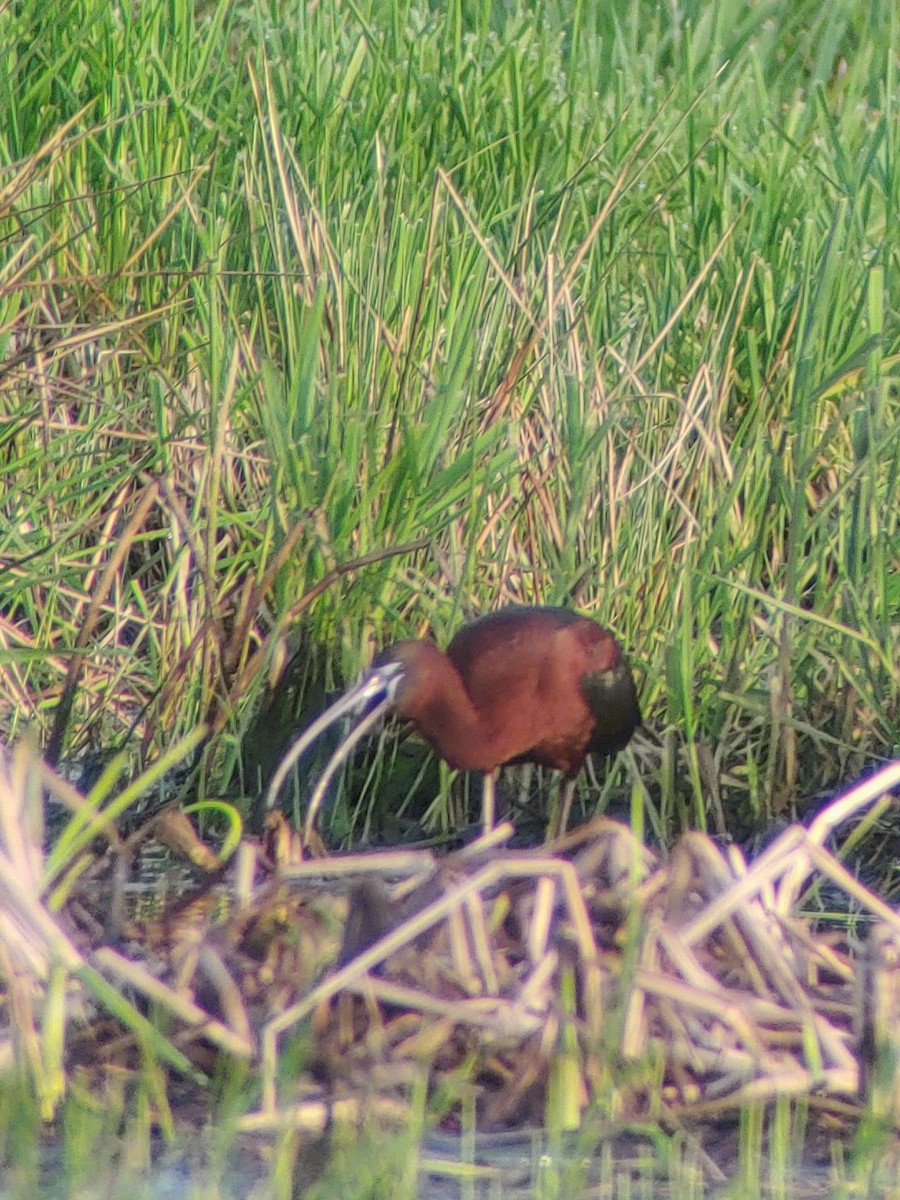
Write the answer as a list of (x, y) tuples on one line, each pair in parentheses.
[(200, 1023)]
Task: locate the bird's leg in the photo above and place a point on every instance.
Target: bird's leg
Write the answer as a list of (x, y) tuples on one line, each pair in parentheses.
[(488, 801), (561, 824), (567, 795)]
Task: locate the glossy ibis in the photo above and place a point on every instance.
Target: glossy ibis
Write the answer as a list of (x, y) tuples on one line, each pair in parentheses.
[(522, 684)]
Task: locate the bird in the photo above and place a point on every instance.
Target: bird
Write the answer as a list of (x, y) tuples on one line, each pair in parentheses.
[(521, 684)]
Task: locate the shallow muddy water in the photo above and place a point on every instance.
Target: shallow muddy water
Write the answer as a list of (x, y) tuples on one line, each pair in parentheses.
[(508, 1166)]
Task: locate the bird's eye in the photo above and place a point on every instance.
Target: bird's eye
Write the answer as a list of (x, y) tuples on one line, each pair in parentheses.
[(391, 675)]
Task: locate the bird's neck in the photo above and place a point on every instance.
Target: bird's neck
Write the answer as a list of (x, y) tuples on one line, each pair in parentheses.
[(449, 721)]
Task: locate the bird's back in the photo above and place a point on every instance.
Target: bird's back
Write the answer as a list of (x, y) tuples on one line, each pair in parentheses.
[(505, 647), (543, 696)]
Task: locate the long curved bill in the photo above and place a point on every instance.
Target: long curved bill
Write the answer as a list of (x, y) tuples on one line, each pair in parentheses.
[(343, 751), (379, 684)]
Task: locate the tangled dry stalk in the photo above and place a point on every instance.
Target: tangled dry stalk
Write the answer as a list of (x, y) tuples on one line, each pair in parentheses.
[(588, 970)]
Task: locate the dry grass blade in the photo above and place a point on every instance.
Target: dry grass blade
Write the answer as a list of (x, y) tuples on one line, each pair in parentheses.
[(317, 1116), (388, 863), (237, 1042), (119, 550), (829, 818)]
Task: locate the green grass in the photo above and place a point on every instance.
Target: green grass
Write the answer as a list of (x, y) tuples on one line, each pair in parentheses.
[(600, 308), (105, 1146)]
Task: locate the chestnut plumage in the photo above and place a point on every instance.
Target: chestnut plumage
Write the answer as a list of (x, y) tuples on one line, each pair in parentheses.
[(522, 684)]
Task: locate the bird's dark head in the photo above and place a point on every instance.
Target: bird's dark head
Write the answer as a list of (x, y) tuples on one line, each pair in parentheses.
[(407, 670)]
